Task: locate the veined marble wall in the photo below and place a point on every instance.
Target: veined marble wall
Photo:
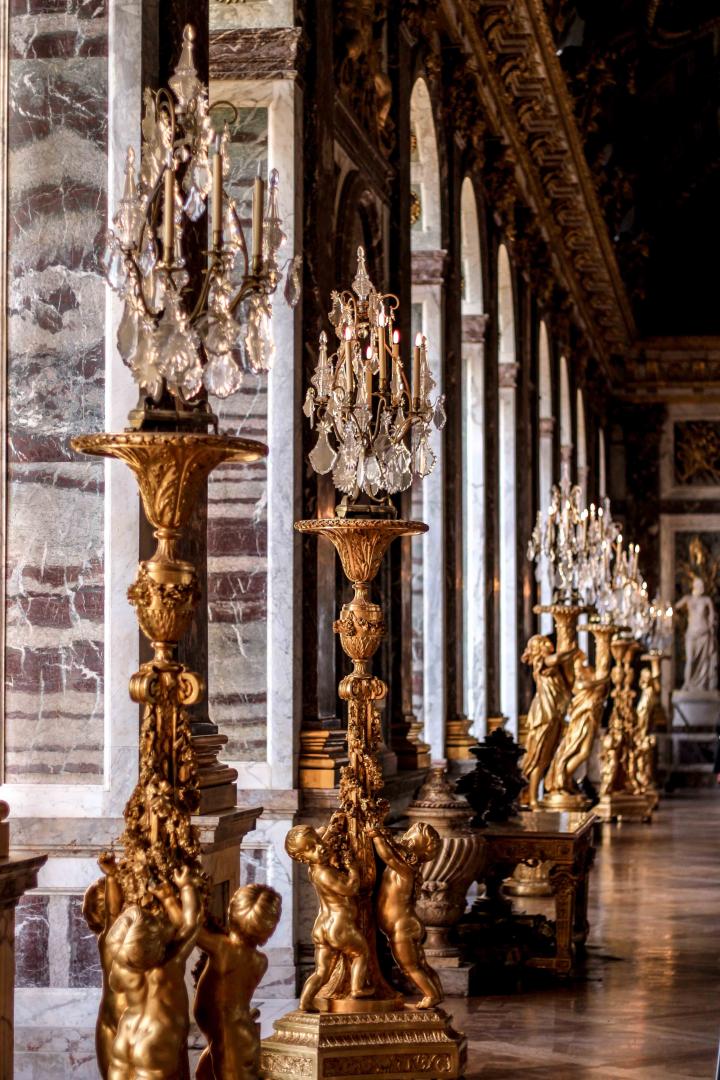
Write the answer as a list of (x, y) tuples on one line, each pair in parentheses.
[(237, 518), (57, 196)]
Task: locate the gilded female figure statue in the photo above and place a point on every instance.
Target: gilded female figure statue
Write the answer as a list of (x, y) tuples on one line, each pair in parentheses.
[(336, 933), (233, 969), (643, 749), (588, 699), (553, 689), (396, 913), (101, 906), (701, 654), (147, 955)]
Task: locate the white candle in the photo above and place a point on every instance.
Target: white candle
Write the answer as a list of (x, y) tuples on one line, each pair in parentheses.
[(348, 360), (257, 218), (169, 217), (416, 367), (217, 200), (382, 363)]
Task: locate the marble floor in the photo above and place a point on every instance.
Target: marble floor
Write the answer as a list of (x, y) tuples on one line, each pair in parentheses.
[(644, 1006)]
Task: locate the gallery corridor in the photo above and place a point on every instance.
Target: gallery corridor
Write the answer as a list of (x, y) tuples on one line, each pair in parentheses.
[(647, 1003)]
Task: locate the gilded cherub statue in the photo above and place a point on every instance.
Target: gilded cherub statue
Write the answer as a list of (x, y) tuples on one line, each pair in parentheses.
[(231, 974), (336, 933), (396, 913), (553, 689), (146, 955), (101, 906)]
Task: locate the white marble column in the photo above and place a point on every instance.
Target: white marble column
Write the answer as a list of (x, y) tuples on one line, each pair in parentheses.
[(507, 375), (272, 781), (474, 496), (427, 291), (546, 430)]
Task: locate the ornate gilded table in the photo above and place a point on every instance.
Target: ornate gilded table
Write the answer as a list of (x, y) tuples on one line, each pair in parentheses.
[(565, 841)]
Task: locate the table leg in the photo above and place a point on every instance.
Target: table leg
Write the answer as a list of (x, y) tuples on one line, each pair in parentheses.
[(565, 884)]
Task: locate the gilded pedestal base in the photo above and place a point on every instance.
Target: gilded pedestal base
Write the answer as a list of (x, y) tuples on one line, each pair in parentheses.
[(563, 800), (625, 806), (400, 1045)]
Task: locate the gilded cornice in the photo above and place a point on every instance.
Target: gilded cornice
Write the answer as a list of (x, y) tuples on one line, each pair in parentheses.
[(522, 91), (672, 368)]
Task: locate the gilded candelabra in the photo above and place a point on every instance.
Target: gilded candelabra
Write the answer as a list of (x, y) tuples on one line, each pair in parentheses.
[(182, 337), (589, 693), (149, 910), (351, 1021), (622, 784)]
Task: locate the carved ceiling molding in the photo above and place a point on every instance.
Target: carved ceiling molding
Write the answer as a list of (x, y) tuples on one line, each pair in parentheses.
[(668, 368), (523, 94)]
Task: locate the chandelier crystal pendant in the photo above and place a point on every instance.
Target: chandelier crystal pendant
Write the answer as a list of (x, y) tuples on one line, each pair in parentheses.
[(180, 343), (374, 422)]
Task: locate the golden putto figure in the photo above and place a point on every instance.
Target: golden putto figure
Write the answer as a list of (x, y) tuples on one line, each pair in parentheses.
[(101, 906), (233, 968), (337, 936), (397, 917), (553, 676), (147, 955)]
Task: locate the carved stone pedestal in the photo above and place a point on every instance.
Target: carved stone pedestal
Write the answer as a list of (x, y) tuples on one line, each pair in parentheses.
[(405, 1044), (220, 838), (18, 873), (625, 806)]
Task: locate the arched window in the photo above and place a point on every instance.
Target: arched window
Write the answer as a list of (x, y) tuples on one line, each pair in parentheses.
[(546, 429), (566, 434), (474, 495), (507, 495), (428, 588), (582, 463)]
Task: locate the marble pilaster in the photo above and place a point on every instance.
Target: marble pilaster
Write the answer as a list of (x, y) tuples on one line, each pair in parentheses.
[(507, 374), (474, 500)]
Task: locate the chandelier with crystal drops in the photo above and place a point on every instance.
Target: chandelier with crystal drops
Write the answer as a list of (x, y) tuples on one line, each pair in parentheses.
[(183, 338), (373, 421), (571, 546)]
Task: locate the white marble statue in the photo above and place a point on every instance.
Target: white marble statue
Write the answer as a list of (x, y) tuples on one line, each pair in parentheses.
[(701, 650)]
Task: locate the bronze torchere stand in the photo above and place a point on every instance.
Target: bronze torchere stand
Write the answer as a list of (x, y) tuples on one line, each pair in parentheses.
[(590, 690), (553, 669), (620, 794), (149, 909), (352, 1022)]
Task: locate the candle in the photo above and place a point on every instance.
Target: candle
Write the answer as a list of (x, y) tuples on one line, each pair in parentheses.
[(169, 217), (348, 360), (257, 219), (368, 376), (416, 368), (382, 373), (217, 171)]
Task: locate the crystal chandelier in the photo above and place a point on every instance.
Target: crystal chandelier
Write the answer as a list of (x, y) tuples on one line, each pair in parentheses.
[(373, 422), (571, 546), (181, 339), (660, 626)]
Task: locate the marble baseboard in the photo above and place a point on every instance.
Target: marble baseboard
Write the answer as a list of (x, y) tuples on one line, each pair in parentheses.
[(68, 1052)]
